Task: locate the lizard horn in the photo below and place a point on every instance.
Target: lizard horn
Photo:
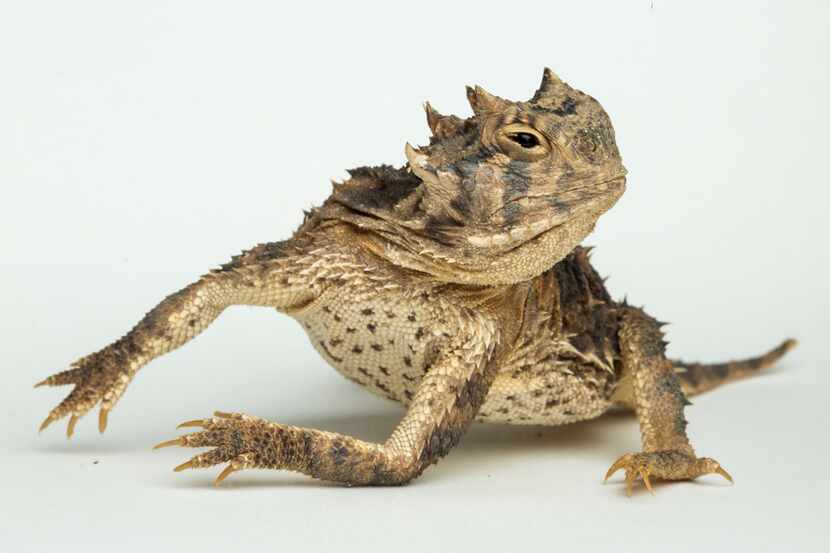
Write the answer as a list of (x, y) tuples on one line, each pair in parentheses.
[(442, 126), (433, 117), (482, 101), (550, 83)]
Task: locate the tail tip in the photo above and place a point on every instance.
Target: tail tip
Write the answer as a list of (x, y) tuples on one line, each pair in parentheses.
[(788, 345)]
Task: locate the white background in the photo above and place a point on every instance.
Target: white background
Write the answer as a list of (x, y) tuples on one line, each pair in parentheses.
[(143, 143)]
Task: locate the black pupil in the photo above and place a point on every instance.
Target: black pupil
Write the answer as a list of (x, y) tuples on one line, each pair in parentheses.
[(525, 139)]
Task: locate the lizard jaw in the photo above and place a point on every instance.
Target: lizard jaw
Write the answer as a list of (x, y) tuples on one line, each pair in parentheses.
[(514, 236), (530, 231)]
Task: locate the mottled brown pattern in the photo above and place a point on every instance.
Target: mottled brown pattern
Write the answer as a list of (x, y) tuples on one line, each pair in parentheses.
[(454, 285), (696, 378)]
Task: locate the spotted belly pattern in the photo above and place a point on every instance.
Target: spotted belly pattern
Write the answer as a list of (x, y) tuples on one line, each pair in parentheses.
[(560, 369), (384, 343), (553, 392)]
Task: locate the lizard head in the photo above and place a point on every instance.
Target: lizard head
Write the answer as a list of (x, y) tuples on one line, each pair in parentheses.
[(516, 169), (511, 189)]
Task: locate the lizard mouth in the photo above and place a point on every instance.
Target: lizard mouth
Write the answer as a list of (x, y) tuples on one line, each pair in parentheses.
[(602, 196), (551, 215)]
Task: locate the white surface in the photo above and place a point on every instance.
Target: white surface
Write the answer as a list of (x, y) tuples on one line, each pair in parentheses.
[(143, 143)]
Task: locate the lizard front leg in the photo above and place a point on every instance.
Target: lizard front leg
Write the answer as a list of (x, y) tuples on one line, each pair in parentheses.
[(270, 275), (658, 399), (445, 403)]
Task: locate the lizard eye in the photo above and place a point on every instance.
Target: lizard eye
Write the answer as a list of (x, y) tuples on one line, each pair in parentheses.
[(524, 139), (522, 142)]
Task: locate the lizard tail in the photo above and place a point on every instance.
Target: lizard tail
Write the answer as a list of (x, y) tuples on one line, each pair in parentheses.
[(696, 378)]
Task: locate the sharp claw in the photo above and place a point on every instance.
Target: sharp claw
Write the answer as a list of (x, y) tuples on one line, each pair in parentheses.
[(102, 420), (725, 474), (70, 428), (646, 481), (44, 382), (224, 474), (46, 422), (184, 466), (169, 443), (614, 468), (196, 422)]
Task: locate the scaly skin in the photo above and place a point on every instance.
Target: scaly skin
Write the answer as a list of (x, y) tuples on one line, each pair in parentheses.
[(455, 285)]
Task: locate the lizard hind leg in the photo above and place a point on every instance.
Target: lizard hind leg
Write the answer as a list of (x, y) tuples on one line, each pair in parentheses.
[(444, 405), (245, 442)]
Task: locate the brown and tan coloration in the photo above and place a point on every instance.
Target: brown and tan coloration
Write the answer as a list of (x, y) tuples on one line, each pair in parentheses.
[(454, 285)]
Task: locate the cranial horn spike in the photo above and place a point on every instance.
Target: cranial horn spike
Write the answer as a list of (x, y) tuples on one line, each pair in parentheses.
[(550, 81), (432, 116), (549, 77), (471, 97), (413, 156), (481, 100)]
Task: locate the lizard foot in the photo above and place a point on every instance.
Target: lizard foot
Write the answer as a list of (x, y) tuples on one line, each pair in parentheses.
[(242, 441), (666, 465), (98, 378)]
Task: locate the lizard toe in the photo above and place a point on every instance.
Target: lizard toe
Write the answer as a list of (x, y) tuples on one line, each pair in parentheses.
[(664, 465)]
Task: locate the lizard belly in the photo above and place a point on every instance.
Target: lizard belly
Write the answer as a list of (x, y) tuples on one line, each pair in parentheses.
[(384, 343), (387, 343), (552, 393)]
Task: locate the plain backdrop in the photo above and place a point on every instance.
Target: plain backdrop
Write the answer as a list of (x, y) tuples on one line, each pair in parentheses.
[(143, 143)]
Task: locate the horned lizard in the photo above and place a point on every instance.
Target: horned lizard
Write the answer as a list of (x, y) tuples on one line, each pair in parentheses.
[(454, 285)]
